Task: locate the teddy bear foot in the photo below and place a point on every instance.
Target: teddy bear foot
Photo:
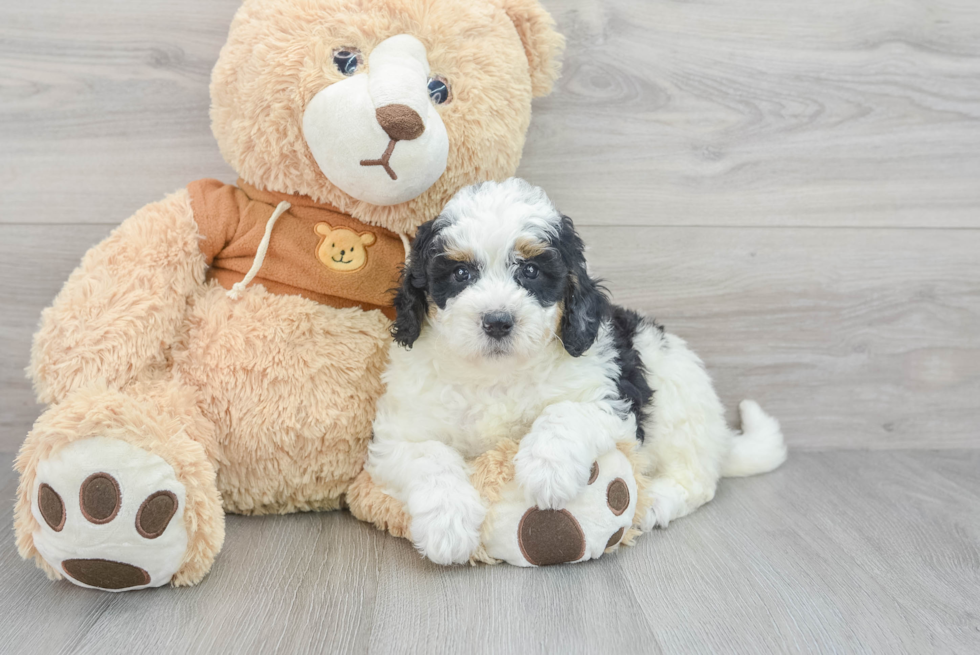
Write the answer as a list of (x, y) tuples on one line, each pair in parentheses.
[(110, 515), (591, 523)]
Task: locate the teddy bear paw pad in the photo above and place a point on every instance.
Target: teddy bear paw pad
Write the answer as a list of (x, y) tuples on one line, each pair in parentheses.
[(588, 525), (110, 515), (550, 536)]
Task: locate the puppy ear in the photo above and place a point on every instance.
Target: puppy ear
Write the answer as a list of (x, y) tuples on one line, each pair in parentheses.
[(542, 44), (585, 299), (411, 302)]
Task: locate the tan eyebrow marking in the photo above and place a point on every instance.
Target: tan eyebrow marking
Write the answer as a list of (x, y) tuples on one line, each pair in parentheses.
[(458, 255), (528, 248)]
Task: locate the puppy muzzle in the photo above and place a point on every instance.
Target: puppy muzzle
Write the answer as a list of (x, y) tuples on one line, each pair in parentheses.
[(498, 325)]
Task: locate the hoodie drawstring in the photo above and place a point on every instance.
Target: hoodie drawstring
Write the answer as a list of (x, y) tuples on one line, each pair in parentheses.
[(236, 289), (239, 287)]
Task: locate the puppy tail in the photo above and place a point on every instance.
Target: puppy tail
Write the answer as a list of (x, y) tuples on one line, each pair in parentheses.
[(759, 448)]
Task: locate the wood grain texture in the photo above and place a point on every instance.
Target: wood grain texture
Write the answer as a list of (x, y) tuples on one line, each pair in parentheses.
[(789, 185), (769, 112), (860, 552), (772, 112), (104, 105), (35, 261), (852, 338)]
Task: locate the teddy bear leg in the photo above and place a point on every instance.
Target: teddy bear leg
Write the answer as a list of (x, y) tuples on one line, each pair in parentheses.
[(117, 490), (521, 534)]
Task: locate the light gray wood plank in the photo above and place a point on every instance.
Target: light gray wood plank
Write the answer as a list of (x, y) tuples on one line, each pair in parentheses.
[(770, 112), (35, 261), (852, 338), (862, 552), (104, 106), (425, 608), (835, 552), (773, 112), (303, 583)]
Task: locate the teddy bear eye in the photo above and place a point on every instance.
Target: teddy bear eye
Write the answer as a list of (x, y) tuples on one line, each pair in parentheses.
[(347, 60), (439, 90)]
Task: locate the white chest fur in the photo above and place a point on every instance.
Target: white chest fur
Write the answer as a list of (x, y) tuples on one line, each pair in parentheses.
[(473, 406)]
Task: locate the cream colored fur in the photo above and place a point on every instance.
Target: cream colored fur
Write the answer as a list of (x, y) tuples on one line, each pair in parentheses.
[(284, 47), (265, 404)]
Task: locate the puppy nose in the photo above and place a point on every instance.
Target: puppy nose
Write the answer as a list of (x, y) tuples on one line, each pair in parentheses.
[(497, 324), (400, 122)]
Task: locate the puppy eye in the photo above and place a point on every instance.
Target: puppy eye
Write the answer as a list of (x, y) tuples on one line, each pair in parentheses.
[(530, 271), (347, 60), (439, 90), (461, 274)]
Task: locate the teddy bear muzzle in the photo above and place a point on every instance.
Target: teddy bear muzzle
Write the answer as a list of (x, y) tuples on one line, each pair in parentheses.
[(386, 118)]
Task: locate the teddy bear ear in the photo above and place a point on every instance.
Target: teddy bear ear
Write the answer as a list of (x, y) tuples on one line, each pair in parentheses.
[(367, 238), (322, 229), (543, 45)]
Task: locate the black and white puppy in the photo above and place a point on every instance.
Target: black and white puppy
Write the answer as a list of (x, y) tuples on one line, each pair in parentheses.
[(501, 333)]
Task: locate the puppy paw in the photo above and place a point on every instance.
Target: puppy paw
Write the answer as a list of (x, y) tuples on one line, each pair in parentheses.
[(446, 523), (668, 502), (550, 469)]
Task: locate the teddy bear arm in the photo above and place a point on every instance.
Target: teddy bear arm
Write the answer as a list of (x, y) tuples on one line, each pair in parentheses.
[(121, 308)]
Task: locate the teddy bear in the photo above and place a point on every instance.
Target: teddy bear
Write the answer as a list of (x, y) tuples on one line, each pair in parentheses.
[(221, 350)]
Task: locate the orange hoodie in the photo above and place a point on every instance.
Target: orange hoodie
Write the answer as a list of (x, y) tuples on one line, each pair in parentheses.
[(314, 250)]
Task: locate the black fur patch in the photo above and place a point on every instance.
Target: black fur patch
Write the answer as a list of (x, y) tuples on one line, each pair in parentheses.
[(443, 283), (586, 303), (632, 383), (586, 306), (549, 286), (428, 275), (411, 299)]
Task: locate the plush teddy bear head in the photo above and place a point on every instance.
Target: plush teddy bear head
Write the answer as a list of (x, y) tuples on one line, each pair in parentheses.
[(381, 108)]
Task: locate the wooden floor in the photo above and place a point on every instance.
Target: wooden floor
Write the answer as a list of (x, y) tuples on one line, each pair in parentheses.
[(875, 552), (793, 186)]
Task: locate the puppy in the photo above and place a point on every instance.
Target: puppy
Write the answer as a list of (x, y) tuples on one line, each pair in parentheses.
[(501, 333)]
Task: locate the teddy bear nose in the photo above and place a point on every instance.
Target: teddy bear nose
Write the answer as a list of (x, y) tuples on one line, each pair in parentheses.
[(400, 122)]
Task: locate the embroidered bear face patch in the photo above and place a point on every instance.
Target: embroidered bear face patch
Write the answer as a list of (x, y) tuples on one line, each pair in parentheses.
[(341, 249)]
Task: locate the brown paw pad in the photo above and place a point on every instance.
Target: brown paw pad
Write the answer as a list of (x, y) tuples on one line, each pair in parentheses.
[(51, 506), (614, 539), (594, 473), (155, 513), (105, 574), (550, 536), (618, 496), (99, 498)]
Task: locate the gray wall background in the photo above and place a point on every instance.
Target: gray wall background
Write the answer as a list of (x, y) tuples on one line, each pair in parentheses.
[(792, 186)]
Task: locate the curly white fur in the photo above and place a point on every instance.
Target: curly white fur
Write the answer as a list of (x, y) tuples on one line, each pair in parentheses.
[(458, 392)]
